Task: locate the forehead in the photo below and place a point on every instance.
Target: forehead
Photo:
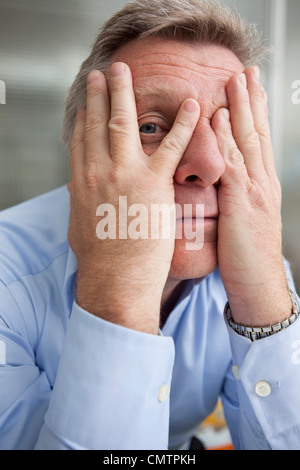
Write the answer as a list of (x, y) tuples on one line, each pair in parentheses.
[(175, 70)]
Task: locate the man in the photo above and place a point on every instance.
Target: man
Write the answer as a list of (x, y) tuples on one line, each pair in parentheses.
[(120, 342)]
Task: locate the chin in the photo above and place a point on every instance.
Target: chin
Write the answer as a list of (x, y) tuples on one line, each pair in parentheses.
[(193, 264)]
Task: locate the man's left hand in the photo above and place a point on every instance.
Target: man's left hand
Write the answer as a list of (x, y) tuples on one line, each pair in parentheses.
[(250, 230)]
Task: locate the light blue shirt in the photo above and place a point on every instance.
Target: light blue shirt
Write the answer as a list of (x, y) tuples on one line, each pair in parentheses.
[(69, 380)]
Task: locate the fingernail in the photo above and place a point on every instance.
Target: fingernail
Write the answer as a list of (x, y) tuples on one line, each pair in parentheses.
[(117, 69), (190, 106), (225, 114), (93, 76), (243, 80)]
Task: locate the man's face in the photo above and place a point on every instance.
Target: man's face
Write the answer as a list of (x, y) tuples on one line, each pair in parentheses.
[(165, 73)]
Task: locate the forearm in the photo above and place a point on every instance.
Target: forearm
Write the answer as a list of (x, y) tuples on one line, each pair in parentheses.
[(107, 393), (110, 299), (264, 303)]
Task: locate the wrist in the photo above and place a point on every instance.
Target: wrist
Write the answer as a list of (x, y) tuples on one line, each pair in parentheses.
[(256, 333), (265, 302), (262, 311), (116, 303)]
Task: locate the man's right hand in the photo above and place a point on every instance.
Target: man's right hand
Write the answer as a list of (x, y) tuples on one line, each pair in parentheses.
[(121, 280)]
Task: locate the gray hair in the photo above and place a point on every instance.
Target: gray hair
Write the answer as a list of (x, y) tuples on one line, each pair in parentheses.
[(203, 22)]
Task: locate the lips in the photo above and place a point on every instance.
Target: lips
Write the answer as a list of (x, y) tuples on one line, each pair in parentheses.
[(188, 212)]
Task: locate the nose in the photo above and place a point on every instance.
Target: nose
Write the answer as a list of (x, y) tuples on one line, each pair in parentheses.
[(202, 163)]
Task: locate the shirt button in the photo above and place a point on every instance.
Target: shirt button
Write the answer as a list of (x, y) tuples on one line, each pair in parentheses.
[(235, 370), (163, 393), (263, 389)]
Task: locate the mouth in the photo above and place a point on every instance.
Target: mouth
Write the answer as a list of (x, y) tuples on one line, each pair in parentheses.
[(196, 220), (195, 212), (196, 217)]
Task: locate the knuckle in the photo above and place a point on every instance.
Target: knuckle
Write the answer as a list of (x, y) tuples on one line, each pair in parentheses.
[(185, 124), (235, 157), (118, 85), (115, 176), (264, 131), (258, 95), (119, 123), (252, 139), (92, 171), (75, 143), (225, 133), (93, 122), (173, 144), (243, 100), (95, 89), (122, 137), (92, 157), (91, 179)]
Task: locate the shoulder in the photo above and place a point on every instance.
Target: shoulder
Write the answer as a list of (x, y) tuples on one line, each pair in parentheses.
[(33, 234)]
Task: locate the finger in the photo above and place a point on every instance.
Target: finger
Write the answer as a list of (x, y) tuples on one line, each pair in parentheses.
[(235, 168), (260, 116), (123, 126), (97, 116), (77, 143), (168, 155), (243, 128)]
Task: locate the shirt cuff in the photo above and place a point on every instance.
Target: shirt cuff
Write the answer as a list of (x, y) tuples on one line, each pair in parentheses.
[(240, 344), (112, 386), (268, 380)]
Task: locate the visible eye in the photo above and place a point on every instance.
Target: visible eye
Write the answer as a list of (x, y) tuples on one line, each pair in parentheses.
[(149, 128), (152, 130)]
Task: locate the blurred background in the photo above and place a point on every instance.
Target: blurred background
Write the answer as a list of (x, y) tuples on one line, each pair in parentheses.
[(42, 45)]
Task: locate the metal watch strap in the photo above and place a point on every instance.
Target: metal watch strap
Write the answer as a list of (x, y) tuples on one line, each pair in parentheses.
[(258, 333)]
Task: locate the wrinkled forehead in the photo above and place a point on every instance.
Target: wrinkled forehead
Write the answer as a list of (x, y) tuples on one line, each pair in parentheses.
[(171, 69)]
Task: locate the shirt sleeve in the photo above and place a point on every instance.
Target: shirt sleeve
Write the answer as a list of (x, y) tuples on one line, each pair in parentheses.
[(111, 390), (261, 394), (24, 389)]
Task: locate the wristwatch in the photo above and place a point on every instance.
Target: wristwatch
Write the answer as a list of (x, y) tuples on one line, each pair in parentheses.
[(258, 333)]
